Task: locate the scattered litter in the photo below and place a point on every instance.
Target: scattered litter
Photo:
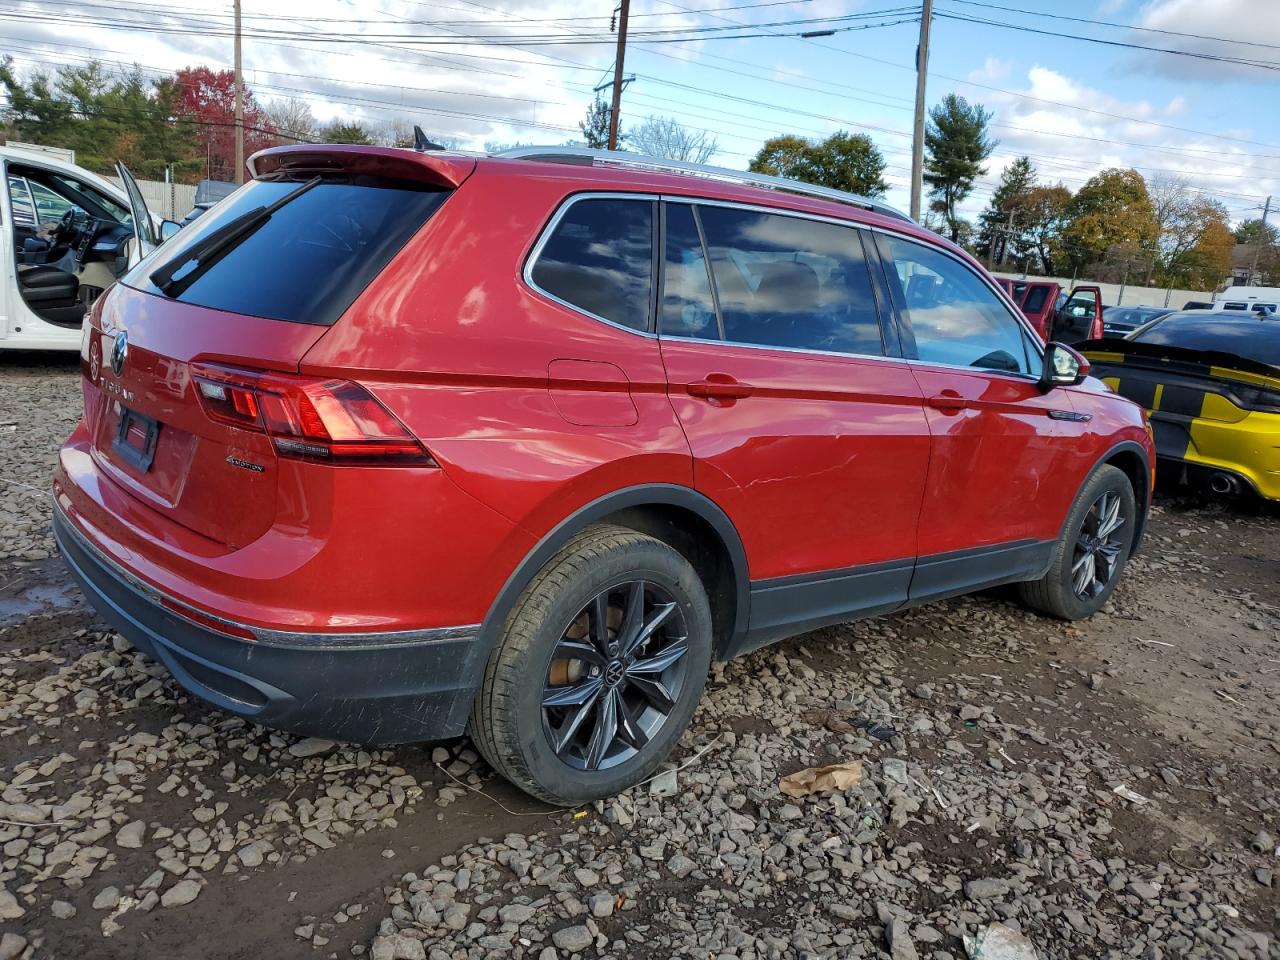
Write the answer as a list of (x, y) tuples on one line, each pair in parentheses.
[(1131, 795), (1006, 756), (878, 730), (579, 814), (665, 784), (1262, 842), (838, 776), (998, 942), (1160, 643), (1227, 697), (973, 826)]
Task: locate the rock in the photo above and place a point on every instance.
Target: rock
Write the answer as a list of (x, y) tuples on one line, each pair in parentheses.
[(180, 894), (924, 691), (601, 904), (10, 909), (899, 940), (311, 747), (455, 915), (62, 910), (989, 888), (970, 712), (894, 769), (131, 834), (1142, 890), (516, 913), (397, 947), (108, 898), (573, 939), (11, 946), (681, 866), (250, 855)]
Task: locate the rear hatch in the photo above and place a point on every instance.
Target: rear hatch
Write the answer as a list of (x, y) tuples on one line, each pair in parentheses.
[(192, 395)]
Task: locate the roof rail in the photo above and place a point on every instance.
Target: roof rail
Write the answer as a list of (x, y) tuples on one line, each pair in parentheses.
[(586, 156)]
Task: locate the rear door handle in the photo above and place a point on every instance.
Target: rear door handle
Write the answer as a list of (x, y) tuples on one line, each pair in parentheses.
[(948, 401), (719, 386)]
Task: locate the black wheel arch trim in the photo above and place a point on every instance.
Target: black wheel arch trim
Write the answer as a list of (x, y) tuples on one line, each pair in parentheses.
[(645, 495), (1141, 497)]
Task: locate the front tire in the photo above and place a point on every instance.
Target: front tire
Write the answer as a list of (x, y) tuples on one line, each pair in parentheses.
[(600, 666), (1092, 551)]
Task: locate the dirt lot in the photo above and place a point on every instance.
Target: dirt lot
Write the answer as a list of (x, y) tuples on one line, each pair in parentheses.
[(137, 822)]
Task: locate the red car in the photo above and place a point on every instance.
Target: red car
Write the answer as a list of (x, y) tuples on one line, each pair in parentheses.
[(392, 446)]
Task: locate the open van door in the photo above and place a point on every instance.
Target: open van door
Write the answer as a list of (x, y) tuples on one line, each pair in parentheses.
[(144, 230), (1080, 317)]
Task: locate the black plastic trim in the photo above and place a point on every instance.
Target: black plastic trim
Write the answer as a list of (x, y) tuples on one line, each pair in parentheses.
[(784, 606), (964, 571), (1143, 497), (377, 695)]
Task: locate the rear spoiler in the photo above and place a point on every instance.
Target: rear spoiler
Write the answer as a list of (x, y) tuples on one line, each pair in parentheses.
[(444, 170), (1115, 350)]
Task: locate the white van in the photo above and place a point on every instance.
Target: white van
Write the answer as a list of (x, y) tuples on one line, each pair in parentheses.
[(1245, 299), (65, 235)]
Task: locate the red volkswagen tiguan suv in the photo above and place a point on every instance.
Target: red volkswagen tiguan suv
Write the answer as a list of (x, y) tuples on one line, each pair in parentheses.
[(391, 445)]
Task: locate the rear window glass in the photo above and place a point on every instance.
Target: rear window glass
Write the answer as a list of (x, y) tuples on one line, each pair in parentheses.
[(599, 258), (1036, 299), (308, 262), (1249, 338)]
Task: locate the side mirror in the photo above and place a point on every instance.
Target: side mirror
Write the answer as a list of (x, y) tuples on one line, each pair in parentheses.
[(169, 228), (1063, 367)]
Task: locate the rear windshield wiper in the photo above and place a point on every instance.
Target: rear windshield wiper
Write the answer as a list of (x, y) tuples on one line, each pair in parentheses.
[(212, 248)]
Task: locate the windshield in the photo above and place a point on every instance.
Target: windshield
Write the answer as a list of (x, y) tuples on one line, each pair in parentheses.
[(1246, 337), (305, 260)]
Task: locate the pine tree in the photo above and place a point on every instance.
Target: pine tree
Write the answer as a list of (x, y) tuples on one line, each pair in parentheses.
[(956, 142), (999, 223)]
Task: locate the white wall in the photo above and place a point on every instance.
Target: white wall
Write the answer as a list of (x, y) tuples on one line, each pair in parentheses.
[(169, 201), (1134, 296)]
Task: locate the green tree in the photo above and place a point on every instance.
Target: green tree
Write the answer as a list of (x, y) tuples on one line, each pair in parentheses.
[(1111, 212), (1000, 223), (595, 125), (102, 117), (956, 145), (843, 161), (1257, 231), (1042, 215), (346, 131)]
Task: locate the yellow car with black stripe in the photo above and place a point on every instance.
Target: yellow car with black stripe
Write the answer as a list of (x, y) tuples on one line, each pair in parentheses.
[(1211, 384)]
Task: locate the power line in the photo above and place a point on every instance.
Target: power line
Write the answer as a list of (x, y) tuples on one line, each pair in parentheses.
[(1112, 23), (1239, 61)]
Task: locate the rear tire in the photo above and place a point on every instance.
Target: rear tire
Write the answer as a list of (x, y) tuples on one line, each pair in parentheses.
[(1091, 554), (599, 668)]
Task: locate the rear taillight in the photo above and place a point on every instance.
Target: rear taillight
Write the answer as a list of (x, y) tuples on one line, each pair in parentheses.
[(324, 421)]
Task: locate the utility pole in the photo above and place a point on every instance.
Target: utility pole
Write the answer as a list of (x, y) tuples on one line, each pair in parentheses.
[(917, 141), (1257, 247), (616, 107), (239, 177)]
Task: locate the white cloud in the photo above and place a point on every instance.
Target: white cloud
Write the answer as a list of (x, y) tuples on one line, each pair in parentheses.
[(1248, 25)]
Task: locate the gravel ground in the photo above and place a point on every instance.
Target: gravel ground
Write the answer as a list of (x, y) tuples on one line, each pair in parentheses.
[(1087, 790)]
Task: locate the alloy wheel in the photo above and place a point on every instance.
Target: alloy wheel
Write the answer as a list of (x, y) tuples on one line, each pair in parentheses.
[(615, 675), (1097, 548)]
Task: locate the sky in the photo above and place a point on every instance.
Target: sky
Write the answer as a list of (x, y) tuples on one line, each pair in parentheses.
[(468, 70)]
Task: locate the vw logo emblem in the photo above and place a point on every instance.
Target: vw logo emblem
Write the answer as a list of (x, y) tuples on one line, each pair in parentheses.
[(613, 674), (119, 352)]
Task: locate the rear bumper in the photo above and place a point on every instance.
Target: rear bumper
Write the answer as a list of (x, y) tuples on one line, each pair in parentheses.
[(372, 688)]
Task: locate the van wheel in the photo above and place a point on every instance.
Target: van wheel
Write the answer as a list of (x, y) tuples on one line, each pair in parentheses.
[(598, 671), (1092, 552)]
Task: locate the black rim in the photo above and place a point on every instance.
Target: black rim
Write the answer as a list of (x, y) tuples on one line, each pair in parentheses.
[(1098, 546), (615, 675)]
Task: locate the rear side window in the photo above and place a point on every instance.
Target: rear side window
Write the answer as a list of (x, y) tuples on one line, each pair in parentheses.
[(688, 307), (599, 259), (307, 262), (956, 319), (790, 282)]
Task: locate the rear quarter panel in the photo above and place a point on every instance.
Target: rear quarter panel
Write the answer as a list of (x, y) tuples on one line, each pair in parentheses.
[(456, 344)]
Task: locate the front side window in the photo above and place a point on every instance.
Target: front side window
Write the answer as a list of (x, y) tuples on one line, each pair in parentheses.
[(790, 282), (599, 258), (50, 207), (956, 319)]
